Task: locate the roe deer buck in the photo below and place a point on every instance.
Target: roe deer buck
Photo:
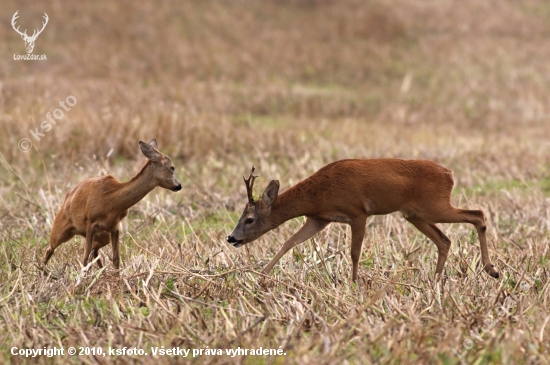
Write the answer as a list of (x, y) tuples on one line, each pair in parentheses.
[(94, 207), (349, 191)]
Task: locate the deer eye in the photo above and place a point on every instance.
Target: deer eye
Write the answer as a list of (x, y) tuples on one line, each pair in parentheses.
[(249, 221)]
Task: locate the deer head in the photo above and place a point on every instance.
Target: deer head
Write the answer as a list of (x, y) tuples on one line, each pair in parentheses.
[(255, 220), (163, 168), (29, 41)]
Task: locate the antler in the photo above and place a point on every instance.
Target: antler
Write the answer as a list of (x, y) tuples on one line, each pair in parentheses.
[(13, 19), (34, 34), (250, 184)]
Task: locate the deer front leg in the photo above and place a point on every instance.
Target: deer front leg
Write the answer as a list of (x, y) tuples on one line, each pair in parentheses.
[(95, 255), (357, 235), (91, 231), (114, 242), (308, 230), (101, 239)]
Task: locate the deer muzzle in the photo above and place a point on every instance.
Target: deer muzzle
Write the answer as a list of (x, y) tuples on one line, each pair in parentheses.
[(236, 243)]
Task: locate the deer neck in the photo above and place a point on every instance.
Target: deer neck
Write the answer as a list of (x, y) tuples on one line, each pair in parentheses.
[(295, 202), (131, 192)]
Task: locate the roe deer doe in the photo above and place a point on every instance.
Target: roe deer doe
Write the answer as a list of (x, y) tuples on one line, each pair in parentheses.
[(95, 207), (350, 191)]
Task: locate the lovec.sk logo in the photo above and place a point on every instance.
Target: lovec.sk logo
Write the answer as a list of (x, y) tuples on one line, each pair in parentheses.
[(29, 40)]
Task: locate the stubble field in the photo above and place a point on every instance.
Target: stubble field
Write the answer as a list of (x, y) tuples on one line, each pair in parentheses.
[(288, 86)]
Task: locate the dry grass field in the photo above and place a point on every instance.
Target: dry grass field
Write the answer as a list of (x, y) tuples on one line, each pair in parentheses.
[(287, 85)]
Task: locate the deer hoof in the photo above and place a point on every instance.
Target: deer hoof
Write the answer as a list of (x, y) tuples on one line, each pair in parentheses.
[(490, 269)]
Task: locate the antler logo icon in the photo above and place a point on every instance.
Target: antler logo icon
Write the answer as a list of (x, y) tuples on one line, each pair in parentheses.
[(29, 41)]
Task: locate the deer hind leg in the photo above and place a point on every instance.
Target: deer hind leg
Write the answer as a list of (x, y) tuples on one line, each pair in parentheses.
[(357, 235), (442, 242), (308, 230), (475, 217)]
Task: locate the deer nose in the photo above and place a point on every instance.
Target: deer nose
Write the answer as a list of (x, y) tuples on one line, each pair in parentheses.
[(177, 188), (231, 239)]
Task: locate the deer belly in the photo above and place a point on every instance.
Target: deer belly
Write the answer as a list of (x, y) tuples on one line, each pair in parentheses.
[(338, 218)]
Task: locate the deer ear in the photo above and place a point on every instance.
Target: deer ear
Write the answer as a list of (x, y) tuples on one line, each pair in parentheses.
[(154, 143), (149, 151), (270, 193)]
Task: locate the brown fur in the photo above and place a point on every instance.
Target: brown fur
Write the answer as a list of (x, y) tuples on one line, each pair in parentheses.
[(94, 208), (349, 191)]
